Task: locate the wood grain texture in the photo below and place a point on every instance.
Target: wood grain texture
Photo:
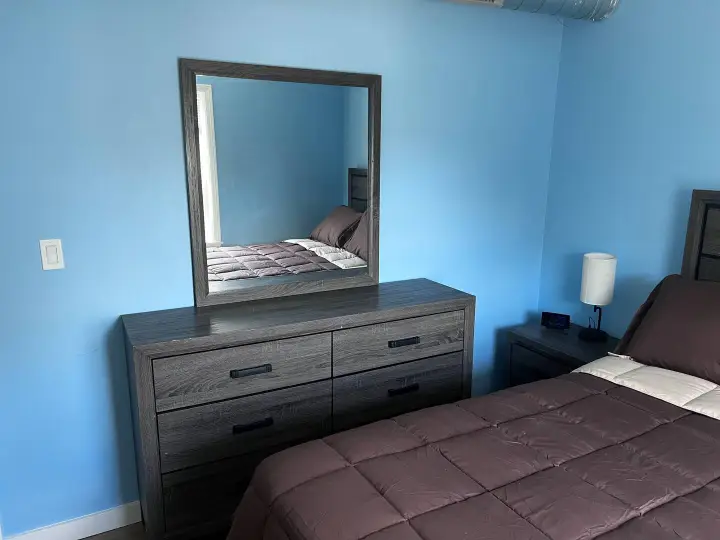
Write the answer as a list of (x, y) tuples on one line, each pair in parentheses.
[(561, 345), (276, 73), (194, 379), (702, 203), (527, 365), (142, 396), (206, 433), (711, 238), (198, 250), (185, 330), (360, 349), (189, 69), (709, 268), (382, 393), (375, 115), (208, 494), (305, 284), (468, 359), (152, 337), (539, 353), (358, 190)]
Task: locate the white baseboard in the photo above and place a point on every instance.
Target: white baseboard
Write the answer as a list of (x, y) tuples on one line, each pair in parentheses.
[(90, 525)]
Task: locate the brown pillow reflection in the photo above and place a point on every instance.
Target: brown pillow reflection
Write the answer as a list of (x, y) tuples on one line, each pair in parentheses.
[(681, 329), (358, 242), (335, 229)]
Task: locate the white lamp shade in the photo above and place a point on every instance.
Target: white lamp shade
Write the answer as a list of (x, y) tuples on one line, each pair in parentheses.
[(598, 279)]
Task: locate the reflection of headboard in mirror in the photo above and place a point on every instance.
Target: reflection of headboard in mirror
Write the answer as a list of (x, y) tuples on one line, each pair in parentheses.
[(702, 247), (358, 189)]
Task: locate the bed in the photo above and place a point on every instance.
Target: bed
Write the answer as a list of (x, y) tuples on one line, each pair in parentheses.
[(294, 256), (618, 450)]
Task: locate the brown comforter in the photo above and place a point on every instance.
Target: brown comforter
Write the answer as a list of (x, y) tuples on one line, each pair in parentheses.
[(565, 459), (263, 260)]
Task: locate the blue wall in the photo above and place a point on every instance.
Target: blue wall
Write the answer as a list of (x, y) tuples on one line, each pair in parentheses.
[(636, 130), (280, 151), (91, 151), (356, 128)]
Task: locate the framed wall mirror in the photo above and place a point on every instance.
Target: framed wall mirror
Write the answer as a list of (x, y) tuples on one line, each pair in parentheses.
[(283, 179)]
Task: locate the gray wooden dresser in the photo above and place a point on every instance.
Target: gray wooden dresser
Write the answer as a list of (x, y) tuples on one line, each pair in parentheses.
[(216, 390)]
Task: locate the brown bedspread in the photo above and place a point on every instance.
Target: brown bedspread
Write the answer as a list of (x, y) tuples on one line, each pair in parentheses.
[(565, 459), (263, 260)]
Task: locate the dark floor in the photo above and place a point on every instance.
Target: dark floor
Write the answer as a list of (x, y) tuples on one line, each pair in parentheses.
[(136, 532), (131, 532)]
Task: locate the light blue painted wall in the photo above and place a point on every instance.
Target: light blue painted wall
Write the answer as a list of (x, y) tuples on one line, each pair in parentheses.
[(356, 128), (637, 128), (91, 151), (357, 123), (280, 151)]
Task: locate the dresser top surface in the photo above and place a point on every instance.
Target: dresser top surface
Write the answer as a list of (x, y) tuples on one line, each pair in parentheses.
[(192, 323)]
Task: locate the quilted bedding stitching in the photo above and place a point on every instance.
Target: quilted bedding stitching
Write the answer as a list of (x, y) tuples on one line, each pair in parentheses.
[(571, 458), (263, 260), (690, 393)]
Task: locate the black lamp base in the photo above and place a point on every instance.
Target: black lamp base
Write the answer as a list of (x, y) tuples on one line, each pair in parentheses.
[(593, 335)]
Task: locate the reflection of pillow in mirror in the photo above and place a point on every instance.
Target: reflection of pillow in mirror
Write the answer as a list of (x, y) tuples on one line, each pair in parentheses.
[(358, 242), (337, 227)]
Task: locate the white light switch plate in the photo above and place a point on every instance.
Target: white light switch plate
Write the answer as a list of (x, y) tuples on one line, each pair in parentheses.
[(52, 254)]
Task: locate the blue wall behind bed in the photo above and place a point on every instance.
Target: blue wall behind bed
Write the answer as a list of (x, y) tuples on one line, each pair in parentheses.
[(280, 151), (637, 129), (356, 128), (91, 151)]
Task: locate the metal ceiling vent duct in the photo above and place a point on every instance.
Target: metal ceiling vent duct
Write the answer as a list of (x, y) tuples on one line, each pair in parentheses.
[(589, 10)]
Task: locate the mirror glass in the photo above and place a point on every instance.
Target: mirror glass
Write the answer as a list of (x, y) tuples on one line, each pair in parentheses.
[(283, 169)]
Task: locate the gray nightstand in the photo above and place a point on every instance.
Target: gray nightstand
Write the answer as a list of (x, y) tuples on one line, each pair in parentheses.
[(539, 353)]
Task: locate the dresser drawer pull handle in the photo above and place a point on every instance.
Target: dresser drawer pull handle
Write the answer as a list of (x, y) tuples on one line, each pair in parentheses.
[(252, 426), (403, 342), (404, 390), (249, 372)]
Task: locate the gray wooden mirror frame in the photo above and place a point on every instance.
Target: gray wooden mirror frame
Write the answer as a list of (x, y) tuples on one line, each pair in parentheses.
[(697, 262), (307, 283)]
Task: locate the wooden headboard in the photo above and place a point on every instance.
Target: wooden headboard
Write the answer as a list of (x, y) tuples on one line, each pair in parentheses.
[(358, 189), (702, 247)]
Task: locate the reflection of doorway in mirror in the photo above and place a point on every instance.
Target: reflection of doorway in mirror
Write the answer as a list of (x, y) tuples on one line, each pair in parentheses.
[(208, 165)]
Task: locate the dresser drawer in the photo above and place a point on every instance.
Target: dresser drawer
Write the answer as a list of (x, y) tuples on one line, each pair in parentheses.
[(208, 494), (382, 393), (193, 379), (368, 347), (240, 426)]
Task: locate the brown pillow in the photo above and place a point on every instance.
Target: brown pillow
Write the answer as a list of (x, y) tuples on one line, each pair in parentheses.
[(639, 316), (681, 329), (335, 229), (358, 242)]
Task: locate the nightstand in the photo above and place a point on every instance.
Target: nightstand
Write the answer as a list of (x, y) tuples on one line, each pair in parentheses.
[(539, 353)]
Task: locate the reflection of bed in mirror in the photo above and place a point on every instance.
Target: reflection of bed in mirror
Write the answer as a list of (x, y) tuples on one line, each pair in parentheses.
[(293, 256), (283, 179), (297, 256)]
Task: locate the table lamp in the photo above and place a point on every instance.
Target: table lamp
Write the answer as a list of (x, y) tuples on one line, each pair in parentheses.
[(598, 286)]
